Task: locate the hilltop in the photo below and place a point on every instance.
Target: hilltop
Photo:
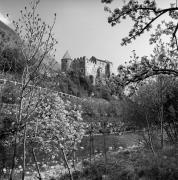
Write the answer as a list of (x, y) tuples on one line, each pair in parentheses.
[(8, 31), (10, 38)]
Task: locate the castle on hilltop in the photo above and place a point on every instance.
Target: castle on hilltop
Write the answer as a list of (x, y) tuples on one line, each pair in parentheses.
[(92, 68)]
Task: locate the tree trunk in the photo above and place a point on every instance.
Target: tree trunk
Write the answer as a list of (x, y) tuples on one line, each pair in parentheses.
[(90, 148), (36, 163), (161, 111), (34, 155), (162, 128), (67, 164), (92, 143), (14, 159), (175, 127), (74, 159), (145, 138), (16, 136), (24, 150), (150, 135), (169, 133), (74, 155), (104, 144)]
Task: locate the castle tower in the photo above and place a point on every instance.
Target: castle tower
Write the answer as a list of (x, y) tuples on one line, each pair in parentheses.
[(66, 62)]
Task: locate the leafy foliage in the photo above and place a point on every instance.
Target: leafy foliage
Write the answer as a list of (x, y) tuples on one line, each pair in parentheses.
[(143, 14), (12, 61), (58, 123), (154, 94), (138, 70)]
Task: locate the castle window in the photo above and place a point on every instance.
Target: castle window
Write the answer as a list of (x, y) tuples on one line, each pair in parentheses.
[(91, 79), (82, 70), (107, 70), (98, 72)]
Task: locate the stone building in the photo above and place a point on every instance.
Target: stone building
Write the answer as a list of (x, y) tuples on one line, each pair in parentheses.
[(92, 68)]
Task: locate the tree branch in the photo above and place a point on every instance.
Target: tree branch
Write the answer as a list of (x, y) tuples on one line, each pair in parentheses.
[(147, 26), (150, 73)]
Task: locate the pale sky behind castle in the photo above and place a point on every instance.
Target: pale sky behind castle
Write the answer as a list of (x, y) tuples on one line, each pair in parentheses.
[(82, 28)]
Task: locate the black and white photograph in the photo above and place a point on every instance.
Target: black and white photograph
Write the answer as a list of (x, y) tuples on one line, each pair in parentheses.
[(88, 90)]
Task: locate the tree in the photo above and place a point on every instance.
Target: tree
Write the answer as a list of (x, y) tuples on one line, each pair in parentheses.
[(56, 127), (157, 99), (137, 70), (36, 42), (144, 14)]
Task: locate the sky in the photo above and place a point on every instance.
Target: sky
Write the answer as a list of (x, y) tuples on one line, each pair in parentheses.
[(82, 28)]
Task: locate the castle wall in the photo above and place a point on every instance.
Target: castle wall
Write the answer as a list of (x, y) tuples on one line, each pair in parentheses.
[(65, 64), (78, 65), (97, 69), (92, 68)]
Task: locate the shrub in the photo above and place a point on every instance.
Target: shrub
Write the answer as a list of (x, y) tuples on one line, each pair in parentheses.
[(136, 165), (12, 60)]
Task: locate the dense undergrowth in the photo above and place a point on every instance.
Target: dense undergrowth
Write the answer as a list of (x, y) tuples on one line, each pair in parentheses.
[(135, 164)]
